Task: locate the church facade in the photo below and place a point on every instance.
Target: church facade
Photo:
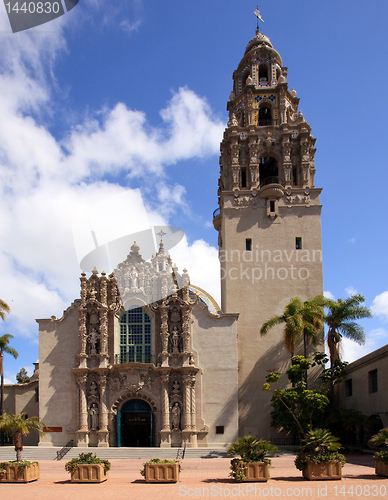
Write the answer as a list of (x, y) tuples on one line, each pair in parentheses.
[(145, 358)]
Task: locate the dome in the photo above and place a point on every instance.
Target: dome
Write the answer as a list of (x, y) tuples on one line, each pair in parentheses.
[(257, 40), (205, 298)]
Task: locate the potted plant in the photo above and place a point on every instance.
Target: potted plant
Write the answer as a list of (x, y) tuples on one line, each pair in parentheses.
[(19, 471), (161, 471), (319, 457), (381, 457), (88, 468), (251, 464)]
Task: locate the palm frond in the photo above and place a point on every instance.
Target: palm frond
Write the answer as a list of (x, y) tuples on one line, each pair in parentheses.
[(4, 308), (275, 320)]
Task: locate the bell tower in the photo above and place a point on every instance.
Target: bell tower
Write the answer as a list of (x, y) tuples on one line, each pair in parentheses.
[(268, 220)]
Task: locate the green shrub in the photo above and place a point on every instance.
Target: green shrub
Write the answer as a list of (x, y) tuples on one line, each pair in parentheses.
[(320, 445), (250, 449), (86, 458), (159, 461)]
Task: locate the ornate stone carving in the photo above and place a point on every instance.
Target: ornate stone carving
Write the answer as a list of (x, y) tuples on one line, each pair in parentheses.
[(245, 201), (176, 416), (298, 199), (93, 416)]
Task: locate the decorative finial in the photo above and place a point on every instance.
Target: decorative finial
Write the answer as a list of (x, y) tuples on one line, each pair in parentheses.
[(161, 234), (257, 14)]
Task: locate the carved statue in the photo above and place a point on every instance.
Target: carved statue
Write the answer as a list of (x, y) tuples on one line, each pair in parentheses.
[(93, 388), (93, 413), (116, 383), (175, 339), (92, 339), (176, 386), (133, 275), (176, 416)]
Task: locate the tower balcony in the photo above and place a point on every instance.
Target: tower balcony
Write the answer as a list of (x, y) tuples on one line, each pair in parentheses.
[(272, 187), (217, 219)]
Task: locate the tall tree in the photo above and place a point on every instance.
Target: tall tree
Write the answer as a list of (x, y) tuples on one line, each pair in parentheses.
[(301, 319), (22, 376), (4, 347), (19, 426), (340, 320)]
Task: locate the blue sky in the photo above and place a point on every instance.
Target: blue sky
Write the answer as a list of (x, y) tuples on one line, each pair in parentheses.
[(132, 94)]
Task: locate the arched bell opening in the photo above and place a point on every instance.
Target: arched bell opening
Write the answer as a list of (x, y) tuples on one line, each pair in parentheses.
[(263, 73), (265, 116), (268, 170)]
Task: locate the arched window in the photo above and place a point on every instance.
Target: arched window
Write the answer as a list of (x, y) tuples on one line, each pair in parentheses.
[(135, 336), (263, 73), (268, 170), (265, 116)]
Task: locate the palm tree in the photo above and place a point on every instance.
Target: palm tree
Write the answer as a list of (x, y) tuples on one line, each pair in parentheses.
[(19, 426), (4, 341), (4, 308), (301, 319), (251, 449), (340, 320)]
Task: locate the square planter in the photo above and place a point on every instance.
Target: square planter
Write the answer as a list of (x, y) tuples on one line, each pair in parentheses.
[(89, 473), (323, 470), (13, 475), (381, 468), (161, 473), (255, 471)]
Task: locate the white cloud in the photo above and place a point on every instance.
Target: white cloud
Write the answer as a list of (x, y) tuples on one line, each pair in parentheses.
[(201, 261), (46, 181), (373, 340), (380, 306), (329, 295), (351, 290)]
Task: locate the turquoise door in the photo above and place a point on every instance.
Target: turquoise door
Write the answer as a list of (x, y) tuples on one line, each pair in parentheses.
[(134, 424)]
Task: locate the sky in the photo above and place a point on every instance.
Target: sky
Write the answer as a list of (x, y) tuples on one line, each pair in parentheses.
[(126, 94)]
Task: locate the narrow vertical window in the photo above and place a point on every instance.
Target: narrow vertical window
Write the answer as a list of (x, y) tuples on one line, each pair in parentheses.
[(272, 206), (298, 243), (348, 388), (248, 245), (372, 376), (243, 177)]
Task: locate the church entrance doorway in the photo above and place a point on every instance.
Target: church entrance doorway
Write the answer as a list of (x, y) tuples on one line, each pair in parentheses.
[(134, 424)]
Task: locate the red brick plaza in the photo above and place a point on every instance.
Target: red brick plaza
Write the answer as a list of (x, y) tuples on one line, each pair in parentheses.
[(202, 478)]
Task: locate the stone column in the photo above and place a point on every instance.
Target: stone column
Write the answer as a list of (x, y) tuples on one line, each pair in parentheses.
[(186, 314), (82, 331), (103, 331), (83, 410), (193, 409), (103, 432), (165, 433), (165, 403), (186, 413), (83, 432)]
